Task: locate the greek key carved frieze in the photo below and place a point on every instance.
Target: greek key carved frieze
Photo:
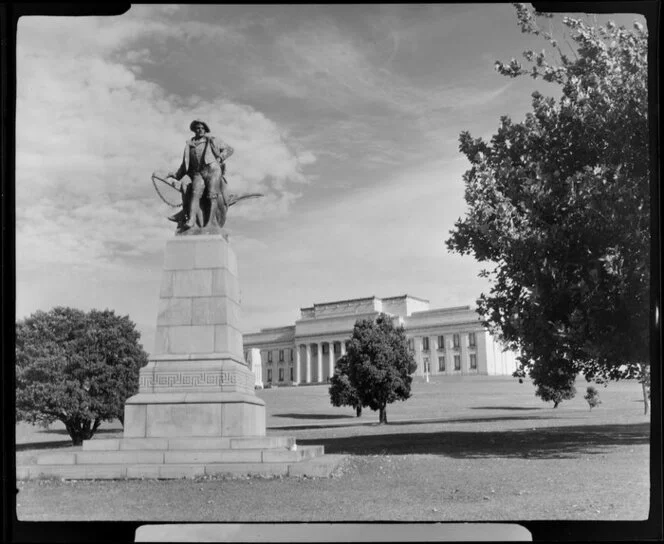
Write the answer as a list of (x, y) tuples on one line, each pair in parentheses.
[(194, 379)]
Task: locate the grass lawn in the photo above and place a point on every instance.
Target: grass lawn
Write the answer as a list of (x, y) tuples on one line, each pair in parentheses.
[(462, 448)]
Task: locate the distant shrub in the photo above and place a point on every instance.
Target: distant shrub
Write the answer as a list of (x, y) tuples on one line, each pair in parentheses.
[(592, 396)]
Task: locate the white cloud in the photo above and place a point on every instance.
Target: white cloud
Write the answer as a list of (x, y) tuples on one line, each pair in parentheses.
[(90, 132)]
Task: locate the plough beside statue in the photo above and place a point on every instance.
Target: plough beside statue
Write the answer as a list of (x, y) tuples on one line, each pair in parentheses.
[(205, 196)]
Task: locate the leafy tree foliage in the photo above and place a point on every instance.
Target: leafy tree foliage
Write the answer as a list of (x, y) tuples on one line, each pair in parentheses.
[(560, 205), (76, 367), (554, 383), (342, 393), (592, 397), (378, 364)]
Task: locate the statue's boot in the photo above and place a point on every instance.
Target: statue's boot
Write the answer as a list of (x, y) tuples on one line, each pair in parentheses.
[(179, 217)]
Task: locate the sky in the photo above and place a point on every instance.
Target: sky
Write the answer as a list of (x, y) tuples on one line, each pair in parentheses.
[(346, 117)]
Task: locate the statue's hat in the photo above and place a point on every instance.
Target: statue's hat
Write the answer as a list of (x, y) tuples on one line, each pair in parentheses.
[(199, 122)]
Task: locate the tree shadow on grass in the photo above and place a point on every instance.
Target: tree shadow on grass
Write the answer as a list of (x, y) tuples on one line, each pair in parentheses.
[(315, 416), (505, 408), (97, 433), (542, 443), (61, 443), (52, 445), (408, 422)]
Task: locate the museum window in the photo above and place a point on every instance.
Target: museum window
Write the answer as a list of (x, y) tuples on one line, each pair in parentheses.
[(473, 361), (456, 340), (425, 343), (457, 362), (269, 374), (281, 355), (281, 374), (441, 364), (471, 339), (441, 342), (291, 374), (291, 354), (337, 348), (269, 356), (411, 344), (325, 349)]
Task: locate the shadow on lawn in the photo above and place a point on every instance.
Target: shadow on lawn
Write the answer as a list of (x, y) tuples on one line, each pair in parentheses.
[(63, 442), (542, 443), (374, 423), (52, 445), (97, 433), (315, 416), (505, 408)]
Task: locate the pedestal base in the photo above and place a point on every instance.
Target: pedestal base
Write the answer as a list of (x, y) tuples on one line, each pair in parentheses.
[(194, 414)]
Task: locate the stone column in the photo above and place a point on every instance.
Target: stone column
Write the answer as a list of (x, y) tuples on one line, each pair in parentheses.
[(343, 348), (433, 355), (331, 361), (319, 362), (308, 361), (297, 364), (417, 341)]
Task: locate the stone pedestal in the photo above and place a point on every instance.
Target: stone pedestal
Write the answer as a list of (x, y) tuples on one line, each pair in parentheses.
[(196, 382), (196, 413)]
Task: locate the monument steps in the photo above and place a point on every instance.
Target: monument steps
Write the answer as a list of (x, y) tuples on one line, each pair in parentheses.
[(172, 471), (189, 443), (181, 463), (160, 457)]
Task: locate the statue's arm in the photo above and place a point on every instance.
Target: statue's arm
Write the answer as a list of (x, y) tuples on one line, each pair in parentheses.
[(179, 174), (221, 149)]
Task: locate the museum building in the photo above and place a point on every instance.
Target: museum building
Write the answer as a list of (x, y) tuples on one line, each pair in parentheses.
[(444, 341)]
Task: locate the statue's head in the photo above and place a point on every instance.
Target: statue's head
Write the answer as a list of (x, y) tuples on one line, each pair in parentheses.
[(196, 122)]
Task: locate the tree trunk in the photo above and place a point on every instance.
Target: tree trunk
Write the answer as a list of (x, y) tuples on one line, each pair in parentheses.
[(644, 388), (555, 404), (81, 430), (382, 416), (358, 411)]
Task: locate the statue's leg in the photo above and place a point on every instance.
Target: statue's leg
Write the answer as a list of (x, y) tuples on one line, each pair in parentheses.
[(217, 215), (197, 188), (222, 201)]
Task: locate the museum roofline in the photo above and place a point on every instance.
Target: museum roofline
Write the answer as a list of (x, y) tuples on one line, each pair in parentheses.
[(406, 296), (443, 310), (374, 297)]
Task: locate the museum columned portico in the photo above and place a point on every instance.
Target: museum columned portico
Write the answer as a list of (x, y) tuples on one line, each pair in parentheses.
[(315, 360), (447, 341)]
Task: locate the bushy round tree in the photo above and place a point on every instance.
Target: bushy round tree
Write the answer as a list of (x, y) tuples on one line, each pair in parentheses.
[(379, 364), (342, 393), (555, 382), (76, 367), (592, 397)]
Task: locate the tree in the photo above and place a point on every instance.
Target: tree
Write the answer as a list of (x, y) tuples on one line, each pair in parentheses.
[(592, 397), (379, 364), (342, 393), (554, 383), (560, 205), (76, 367)]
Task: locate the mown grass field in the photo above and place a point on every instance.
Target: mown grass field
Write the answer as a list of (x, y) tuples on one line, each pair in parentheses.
[(466, 448)]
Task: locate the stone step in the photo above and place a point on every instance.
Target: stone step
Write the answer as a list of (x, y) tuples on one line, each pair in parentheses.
[(160, 457), (194, 443), (320, 467)]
